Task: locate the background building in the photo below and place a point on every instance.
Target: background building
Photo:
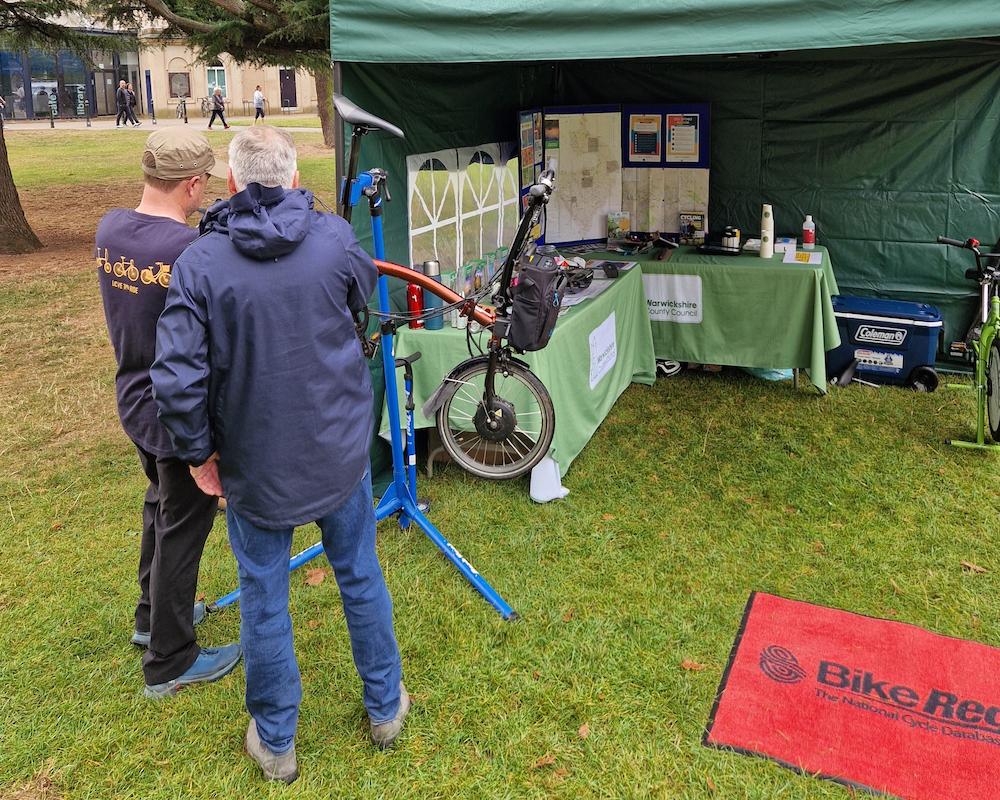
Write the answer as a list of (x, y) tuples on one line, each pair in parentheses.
[(175, 73), (35, 84)]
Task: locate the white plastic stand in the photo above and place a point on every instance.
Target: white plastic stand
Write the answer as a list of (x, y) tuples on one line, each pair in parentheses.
[(545, 482)]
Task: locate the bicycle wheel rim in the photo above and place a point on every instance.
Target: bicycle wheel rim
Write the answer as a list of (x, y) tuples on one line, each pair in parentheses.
[(993, 392), (513, 455)]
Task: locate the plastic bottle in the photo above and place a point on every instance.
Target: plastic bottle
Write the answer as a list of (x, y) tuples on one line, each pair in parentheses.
[(432, 269), (808, 233)]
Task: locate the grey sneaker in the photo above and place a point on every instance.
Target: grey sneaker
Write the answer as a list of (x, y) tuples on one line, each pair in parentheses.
[(276, 766), (212, 664), (141, 638), (384, 734)]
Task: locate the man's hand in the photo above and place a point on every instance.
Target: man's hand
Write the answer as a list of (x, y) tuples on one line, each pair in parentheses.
[(207, 476)]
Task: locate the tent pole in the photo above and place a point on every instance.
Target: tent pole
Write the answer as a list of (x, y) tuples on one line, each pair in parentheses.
[(338, 134)]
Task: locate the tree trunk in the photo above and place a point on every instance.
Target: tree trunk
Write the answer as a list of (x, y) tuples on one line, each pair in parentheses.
[(324, 103), (16, 235)]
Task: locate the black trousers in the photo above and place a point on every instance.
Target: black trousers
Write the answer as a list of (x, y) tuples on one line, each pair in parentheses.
[(219, 114), (176, 520), (122, 115), (258, 113)]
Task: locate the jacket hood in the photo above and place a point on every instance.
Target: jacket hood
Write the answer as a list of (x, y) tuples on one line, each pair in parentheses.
[(262, 222)]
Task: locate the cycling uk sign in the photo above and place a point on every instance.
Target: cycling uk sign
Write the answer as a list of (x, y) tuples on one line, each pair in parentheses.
[(674, 298)]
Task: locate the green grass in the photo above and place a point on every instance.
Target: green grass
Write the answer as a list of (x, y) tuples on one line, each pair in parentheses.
[(692, 494), (44, 158), (279, 120)]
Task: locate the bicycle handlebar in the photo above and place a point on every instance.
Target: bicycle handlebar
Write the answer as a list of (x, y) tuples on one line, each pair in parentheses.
[(951, 242)]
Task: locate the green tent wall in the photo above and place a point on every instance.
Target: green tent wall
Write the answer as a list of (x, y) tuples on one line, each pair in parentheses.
[(885, 147)]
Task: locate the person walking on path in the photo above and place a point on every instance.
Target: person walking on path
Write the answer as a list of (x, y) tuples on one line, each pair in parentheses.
[(121, 103), (218, 109), (131, 106), (135, 251), (258, 105), (260, 379)]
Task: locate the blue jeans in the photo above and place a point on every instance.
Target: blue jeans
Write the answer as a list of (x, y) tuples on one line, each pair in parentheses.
[(274, 689)]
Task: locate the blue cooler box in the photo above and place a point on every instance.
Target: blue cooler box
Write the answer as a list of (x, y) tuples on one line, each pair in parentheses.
[(889, 338)]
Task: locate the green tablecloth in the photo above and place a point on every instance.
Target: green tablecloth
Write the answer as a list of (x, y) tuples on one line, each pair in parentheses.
[(742, 311), (599, 347)]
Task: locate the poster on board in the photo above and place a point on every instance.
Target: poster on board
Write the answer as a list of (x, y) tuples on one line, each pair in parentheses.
[(683, 142), (645, 141)]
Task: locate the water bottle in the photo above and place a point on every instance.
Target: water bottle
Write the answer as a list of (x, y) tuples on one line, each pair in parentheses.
[(415, 303), (432, 269), (808, 233)]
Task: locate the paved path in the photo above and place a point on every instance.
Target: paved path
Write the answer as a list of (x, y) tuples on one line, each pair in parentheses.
[(108, 123)]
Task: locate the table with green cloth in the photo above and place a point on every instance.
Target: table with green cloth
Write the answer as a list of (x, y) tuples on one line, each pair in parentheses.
[(598, 348), (741, 311)]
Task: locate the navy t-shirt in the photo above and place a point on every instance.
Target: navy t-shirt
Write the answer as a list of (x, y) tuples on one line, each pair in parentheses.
[(135, 253)]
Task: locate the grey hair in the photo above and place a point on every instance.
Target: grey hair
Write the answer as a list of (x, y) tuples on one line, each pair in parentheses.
[(263, 155)]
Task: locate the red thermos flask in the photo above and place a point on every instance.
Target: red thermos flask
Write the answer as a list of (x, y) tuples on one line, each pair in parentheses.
[(415, 303)]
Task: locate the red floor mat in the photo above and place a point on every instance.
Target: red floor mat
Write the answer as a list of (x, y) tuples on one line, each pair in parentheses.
[(867, 702)]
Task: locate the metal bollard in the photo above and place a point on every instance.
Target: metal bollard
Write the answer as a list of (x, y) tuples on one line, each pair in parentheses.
[(152, 114), (86, 111)]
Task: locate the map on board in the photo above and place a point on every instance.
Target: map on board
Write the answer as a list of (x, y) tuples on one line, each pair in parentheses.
[(588, 163), (655, 198)]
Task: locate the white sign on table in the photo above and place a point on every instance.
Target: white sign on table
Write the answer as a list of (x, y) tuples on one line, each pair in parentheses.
[(603, 350), (673, 298)]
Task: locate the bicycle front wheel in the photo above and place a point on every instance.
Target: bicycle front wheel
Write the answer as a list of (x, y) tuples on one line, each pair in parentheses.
[(993, 392), (500, 438)]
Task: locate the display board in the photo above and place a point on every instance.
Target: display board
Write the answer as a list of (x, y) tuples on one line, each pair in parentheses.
[(583, 146), (650, 161), (530, 152)]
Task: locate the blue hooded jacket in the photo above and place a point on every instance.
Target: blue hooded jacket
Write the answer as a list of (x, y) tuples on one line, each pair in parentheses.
[(257, 355)]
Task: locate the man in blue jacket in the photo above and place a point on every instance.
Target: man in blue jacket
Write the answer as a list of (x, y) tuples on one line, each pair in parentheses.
[(263, 387)]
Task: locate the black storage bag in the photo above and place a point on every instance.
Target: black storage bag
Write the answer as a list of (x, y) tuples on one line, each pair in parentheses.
[(537, 297)]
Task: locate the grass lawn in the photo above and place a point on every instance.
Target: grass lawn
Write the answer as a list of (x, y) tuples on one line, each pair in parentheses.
[(692, 494), (279, 120), (43, 159)]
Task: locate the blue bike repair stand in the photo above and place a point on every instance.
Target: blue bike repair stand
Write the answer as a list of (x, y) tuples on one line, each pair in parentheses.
[(400, 497)]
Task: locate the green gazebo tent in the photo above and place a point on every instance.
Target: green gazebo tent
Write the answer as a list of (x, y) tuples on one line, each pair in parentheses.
[(881, 118)]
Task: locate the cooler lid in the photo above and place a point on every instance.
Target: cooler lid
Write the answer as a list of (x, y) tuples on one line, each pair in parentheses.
[(864, 307)]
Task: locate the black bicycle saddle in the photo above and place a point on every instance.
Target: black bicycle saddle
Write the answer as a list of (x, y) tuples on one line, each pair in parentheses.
[(356, 117)]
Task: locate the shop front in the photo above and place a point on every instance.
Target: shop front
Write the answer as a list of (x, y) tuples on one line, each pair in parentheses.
[(37, 85)]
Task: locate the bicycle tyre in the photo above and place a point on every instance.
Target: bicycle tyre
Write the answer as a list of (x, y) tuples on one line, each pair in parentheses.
[(993, 392), (473, 452)]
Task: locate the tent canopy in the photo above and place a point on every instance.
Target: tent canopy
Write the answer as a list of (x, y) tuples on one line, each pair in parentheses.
[(884, 124), (453, 31)]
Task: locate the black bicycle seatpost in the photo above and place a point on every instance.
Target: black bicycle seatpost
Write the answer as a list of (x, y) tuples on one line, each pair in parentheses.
[(352, 172)]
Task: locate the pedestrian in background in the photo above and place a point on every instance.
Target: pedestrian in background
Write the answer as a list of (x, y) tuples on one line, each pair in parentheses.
[(218, 109), (258, 105), (121, 103), (131, 106), (260, 379), (135, 252)]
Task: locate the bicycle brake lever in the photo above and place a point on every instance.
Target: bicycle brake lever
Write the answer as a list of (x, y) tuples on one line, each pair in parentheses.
[(385, 188)]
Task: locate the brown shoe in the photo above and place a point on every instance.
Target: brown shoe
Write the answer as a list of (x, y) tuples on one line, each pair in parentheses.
[(276, 766), (384, 734)]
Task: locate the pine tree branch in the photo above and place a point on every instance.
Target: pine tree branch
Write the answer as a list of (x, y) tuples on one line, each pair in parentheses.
[(160, 9)]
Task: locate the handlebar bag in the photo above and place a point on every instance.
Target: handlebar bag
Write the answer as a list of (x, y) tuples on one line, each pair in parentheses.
[(537, 298)]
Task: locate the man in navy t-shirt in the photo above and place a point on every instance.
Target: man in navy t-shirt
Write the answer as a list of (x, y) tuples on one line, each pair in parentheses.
[(135, 253)]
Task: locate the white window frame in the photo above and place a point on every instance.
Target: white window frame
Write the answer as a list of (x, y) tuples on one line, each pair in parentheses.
[(500, 194), (225, 79)]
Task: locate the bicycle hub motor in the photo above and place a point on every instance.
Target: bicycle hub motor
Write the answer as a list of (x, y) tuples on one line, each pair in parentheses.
[(495, 419)]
